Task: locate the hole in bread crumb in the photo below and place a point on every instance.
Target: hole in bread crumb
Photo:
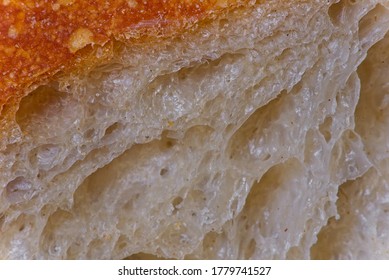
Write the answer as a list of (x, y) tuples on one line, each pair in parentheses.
[(223, 23), (46, 210), (111, 129), (122, 243), (73, 250), (230, 129), (176, 203), (249, 253), (335, 12), (325, 129), (169, 144), (266, 156), (373, 19), (45, 157), (96, 247), (163, 171), (144, 256), (234, 207), (293, 253), (48, 113), (2, 219), (19, 190), (90, 134)]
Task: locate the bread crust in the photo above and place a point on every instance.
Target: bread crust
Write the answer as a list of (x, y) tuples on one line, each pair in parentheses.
[(40, 38)]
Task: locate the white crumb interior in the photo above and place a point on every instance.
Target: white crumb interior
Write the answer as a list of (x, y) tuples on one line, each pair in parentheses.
[(262, 135)]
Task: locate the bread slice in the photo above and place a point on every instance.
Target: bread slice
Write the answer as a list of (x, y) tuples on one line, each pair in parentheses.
[(224, 136)]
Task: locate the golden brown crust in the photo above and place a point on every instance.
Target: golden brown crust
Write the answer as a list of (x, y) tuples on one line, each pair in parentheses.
[(39, 38)]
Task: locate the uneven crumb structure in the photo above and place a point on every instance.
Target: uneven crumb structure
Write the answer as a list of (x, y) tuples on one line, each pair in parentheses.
[(260, 134)]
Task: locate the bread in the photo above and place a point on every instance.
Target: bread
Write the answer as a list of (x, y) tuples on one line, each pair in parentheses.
[(230, 130)]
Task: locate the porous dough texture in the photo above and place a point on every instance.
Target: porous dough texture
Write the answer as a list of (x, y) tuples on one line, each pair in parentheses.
[(260, 134)]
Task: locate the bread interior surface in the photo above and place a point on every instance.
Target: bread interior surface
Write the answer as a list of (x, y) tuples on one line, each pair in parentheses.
[(259, 134)]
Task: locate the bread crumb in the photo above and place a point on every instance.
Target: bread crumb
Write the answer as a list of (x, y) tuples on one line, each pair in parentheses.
[(222, 3), (132, 3), (65, 2), (79, 39), (56, 6), (12, 32)]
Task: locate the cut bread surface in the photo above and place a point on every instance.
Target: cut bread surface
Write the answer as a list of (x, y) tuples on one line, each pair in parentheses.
[(237, 139)]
